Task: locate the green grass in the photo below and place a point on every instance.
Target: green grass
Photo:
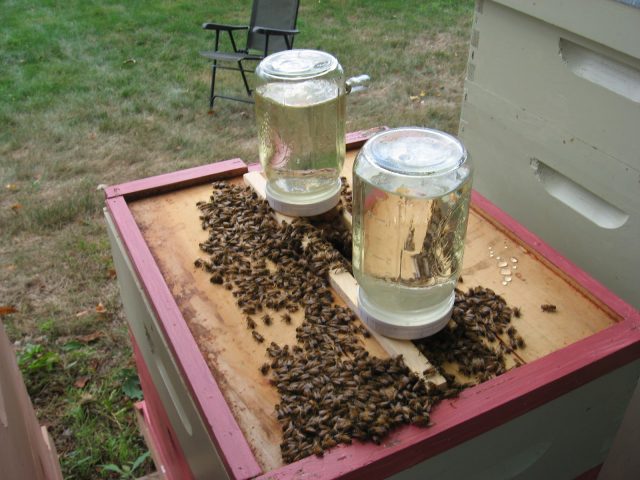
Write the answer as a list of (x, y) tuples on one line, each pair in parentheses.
[(105, 92)]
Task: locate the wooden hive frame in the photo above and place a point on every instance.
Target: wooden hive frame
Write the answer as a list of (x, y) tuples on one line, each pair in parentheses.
[(548, 376)]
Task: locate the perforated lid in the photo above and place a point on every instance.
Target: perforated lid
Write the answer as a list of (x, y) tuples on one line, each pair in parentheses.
[(302, 207), (403, 325), (416, 151), (297, 64)]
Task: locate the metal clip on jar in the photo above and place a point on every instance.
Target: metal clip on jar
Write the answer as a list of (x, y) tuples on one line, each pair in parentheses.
[(300, 111), (411, 196)]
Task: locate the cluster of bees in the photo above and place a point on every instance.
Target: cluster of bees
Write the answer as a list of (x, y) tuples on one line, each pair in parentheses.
[(266, 265), (331, 389), (477, 339), (346, 195), (329, 398)]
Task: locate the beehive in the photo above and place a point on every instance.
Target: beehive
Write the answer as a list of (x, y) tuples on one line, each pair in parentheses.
[(212, 410)]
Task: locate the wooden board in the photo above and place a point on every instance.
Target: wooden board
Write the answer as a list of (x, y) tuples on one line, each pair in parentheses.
[(154, 449), (26, 450), (218, 326), (170, 226)]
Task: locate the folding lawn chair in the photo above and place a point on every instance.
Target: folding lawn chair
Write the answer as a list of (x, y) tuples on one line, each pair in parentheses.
[(272, 29)]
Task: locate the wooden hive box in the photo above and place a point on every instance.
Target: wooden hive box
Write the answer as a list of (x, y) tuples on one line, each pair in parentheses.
[(210, 413), (551, 112)]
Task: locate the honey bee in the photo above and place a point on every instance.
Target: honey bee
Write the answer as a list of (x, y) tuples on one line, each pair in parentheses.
[(266, 319), (477, 364), (548, 308), (517, 312), (264, 369), (258, 338)]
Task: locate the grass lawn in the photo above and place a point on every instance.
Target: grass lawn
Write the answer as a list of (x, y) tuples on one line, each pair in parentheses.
[(104, 92)]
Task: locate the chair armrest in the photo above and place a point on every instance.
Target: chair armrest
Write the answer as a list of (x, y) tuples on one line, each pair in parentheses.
[(223, 27), (274, 31)]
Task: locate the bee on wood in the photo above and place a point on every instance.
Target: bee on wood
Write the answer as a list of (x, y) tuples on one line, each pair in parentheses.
[(216, 278), (328, 442), (548, 308), (251, 323), (477, 364), (517, 312), (258, 338), (430, 371), (286, 318), (342, 438), (264, 369), (266, 319)]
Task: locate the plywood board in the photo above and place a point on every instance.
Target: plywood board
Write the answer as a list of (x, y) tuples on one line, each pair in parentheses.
[(26, 451), (172, 231), (171, 228)]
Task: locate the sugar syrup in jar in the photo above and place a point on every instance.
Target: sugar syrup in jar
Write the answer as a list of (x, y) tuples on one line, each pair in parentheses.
[(411, 193), (300, 113)]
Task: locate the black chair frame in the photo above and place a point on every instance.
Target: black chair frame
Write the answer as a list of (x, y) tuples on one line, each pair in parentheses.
[(284, 40)]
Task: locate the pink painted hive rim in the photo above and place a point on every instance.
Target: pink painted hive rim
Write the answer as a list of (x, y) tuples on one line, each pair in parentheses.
[(476, 411), (218, 418), (174, 180)]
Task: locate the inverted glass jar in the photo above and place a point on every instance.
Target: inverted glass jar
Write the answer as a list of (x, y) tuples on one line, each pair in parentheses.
[(300, 111), (411, 192)]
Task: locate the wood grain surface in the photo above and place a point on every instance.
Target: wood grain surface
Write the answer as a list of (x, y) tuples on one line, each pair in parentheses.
[(172, 229), (534, 282), (170, 226)]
